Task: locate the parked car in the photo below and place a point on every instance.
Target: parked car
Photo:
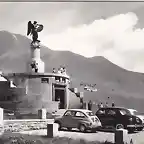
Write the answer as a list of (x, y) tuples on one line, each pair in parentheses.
[(78, 118), (119, 118), (138, 114)]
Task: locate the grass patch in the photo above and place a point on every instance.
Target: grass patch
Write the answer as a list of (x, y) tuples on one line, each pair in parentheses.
[(13, 138)]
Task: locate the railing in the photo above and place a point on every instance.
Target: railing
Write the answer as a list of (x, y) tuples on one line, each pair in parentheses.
[(34, 75)]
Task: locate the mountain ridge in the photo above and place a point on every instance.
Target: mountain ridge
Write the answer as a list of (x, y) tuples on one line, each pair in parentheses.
[(123, 86)]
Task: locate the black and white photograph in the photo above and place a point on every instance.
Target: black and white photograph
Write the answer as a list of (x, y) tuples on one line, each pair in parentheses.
[(72, 72)]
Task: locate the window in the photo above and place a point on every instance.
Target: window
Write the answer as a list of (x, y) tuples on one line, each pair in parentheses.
[(90, 113), (111, 112), (70, 113), (57, 78), (80, 114), (124, 111), (101, 112), (45, 80)]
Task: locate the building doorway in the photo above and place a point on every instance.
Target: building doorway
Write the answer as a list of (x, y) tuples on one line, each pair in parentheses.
[(60, 96)]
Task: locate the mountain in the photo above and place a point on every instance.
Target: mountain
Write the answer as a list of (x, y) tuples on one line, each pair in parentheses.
[(125, 88)]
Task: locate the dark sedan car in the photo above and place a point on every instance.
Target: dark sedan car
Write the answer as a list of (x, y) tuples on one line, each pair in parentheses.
[(119, 118)]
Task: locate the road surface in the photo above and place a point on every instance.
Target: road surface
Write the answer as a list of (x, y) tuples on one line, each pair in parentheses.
[(138, 138)]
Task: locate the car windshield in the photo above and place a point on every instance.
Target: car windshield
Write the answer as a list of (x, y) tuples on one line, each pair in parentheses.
[(124, 112), (90, 113)]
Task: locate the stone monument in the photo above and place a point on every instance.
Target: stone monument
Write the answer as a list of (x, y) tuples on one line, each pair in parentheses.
[(35, 64)]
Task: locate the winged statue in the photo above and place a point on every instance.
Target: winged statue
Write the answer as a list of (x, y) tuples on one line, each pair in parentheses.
[(33, 29)]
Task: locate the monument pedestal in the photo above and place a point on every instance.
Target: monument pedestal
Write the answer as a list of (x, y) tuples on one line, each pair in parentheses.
[(35, 64)]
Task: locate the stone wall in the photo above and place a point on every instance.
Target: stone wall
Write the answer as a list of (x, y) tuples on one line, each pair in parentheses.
[(25, 125)]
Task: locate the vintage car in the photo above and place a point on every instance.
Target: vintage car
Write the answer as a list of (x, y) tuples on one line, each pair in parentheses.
[(79, 118), (118, 117), (138, 114)]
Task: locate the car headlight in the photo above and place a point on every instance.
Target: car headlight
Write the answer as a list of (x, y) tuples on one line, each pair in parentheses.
[(138, 120), (89, 124)]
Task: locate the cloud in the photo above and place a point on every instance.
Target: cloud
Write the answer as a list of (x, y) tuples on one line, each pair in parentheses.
[(77, 27), (115, 38)]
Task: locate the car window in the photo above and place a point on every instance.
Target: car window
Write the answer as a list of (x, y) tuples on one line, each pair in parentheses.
[(111, 112), (90, 113), (123, 112), (80, 114), (101, 112), (69, 113)]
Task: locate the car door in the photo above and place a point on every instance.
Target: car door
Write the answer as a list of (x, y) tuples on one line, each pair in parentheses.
[(101, 114), (124, 116), (78, 118), (111, 117), (67, 119)]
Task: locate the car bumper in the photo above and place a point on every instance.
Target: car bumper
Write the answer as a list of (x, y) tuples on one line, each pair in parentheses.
[(135, 127), (94, 127)]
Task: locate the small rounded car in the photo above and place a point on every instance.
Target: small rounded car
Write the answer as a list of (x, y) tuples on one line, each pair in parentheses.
[(118, 117), (78, 118)]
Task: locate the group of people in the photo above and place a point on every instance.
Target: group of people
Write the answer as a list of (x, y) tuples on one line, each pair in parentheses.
[(100, 105), (61, 70)]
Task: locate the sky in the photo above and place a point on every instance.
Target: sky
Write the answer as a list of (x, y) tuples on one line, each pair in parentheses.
[(114, 30)]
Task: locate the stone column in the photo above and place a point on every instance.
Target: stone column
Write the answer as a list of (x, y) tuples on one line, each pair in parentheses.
[(35, 58), (42, 114), (1, 120), (67, 99)]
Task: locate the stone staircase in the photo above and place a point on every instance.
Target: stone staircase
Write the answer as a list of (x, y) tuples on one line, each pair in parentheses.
[(80, 95), (76, 92)]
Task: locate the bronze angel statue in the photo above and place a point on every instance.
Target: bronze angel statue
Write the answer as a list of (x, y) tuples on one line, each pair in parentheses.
[(33, 29)]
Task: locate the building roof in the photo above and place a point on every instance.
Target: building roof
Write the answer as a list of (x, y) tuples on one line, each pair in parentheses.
[(34, 75)]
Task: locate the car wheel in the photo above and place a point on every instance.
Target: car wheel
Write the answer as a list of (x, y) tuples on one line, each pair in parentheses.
[(131, 130), (140, 129), (82, 128), (119, 126)]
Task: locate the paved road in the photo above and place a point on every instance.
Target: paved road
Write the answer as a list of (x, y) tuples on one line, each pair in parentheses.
[(138, 138)]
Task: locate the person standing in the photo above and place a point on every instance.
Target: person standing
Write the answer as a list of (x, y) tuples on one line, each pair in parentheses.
[(90, 105), (106, 104), (59, 71), (36, 67), (113, 104), (101, 105), (81, 102), (54, 70), (64, 70), (59, 104)]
